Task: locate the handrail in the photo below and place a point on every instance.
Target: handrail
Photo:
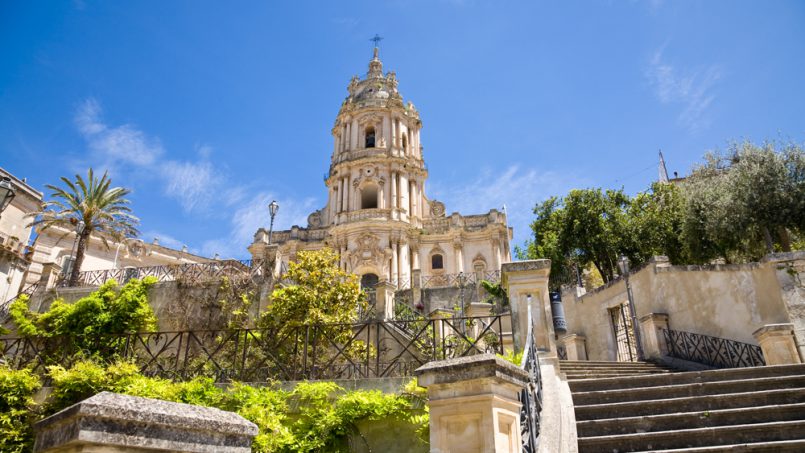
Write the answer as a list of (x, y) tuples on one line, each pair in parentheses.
[(531, 395), (712, 351)]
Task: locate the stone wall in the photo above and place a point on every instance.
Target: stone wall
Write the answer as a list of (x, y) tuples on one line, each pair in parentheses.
[(726, 301), (177, 305)]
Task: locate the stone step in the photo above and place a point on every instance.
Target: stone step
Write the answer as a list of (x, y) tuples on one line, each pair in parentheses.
[(696, 437), (689, 404), (687, 377), (782, 446), (609, 373), (683, 420), (683, 390), (612, 368)]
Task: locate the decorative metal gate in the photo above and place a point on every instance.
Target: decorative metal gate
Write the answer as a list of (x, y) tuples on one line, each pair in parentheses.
[(624, 333)]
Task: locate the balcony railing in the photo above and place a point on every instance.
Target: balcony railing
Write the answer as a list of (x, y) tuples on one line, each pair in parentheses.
[(189, 273)]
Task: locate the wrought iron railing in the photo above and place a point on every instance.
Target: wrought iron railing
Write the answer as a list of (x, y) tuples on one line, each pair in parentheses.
[(712, 351), (363, 350), (28, 291), (460, 279), (190, 272), (531, 395)]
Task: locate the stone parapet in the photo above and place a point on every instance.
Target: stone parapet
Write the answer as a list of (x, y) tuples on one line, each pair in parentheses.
[(778, 344), (474, 404), (109, 422)]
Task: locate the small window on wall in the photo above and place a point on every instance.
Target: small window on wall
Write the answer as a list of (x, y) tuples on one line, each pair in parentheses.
[(370, 137), (405, 143), (436, 262)]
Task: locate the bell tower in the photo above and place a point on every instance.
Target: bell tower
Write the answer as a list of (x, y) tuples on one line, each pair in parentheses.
[(376, 169)]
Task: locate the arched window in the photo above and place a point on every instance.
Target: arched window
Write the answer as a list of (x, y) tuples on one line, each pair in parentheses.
[(369, 197), (369, 281), (436, 262), (370, 137)]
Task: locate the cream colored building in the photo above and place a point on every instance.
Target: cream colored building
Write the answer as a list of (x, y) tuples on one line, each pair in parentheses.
[(378, 216), (57, 246), (14, 236)]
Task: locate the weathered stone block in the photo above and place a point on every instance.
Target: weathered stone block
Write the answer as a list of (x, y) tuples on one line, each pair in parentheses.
[(109, 422)]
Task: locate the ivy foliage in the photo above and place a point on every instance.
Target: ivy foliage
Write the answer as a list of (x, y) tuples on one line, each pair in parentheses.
[(313, 417), (17, 409), (108, 310)]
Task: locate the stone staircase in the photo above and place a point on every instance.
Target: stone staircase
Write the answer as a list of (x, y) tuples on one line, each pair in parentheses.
[(629, 407)]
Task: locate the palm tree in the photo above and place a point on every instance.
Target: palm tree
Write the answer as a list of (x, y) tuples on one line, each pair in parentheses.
[(94, 207)]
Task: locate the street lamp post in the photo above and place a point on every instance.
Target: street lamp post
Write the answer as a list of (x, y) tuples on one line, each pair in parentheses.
[(7, 193), (273, 207), (623, 265)]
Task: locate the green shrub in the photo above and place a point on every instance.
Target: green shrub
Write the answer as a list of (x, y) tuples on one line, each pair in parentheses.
[(314, 417), (17, 412), (108, 310)]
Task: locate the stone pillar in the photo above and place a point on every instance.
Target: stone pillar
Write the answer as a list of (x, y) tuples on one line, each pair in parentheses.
[(394, 190), (459, 255), (473, 404), (341, 195), (405, 263), (50, 274), (778, 344), (790, 271), (651, 327), (353, 139), (496, 254), (403, 180), (526, 283), (394, 262), (479, 310), (575, 346), (384, 309), (439, 327), (112, 423)]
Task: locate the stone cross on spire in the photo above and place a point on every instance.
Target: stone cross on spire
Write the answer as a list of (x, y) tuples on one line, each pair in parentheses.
[(376, 39)]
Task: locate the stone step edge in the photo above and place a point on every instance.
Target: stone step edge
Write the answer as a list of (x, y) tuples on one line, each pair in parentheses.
[(723, 374), (660, 417), (687, 398), (697, 385), (737, 448), (690, 432)]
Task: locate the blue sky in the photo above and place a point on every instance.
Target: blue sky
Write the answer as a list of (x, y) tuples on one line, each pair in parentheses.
[(209, 110)]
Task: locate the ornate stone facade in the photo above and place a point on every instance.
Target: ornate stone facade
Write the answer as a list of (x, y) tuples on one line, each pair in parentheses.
[(377, 215)]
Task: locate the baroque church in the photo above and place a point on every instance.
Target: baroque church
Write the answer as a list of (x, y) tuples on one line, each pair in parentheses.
[(378, 216)]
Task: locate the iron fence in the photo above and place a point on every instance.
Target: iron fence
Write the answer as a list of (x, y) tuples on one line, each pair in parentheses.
[(332, 351), (28, 291), (712, 351), (189, 272)]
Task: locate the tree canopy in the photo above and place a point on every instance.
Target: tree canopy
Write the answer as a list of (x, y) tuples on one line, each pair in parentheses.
[(735, 206), (88, 207)]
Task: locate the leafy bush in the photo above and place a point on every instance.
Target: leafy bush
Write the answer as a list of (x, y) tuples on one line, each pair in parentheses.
[(17, 410), (109, 309), (315, 416)]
